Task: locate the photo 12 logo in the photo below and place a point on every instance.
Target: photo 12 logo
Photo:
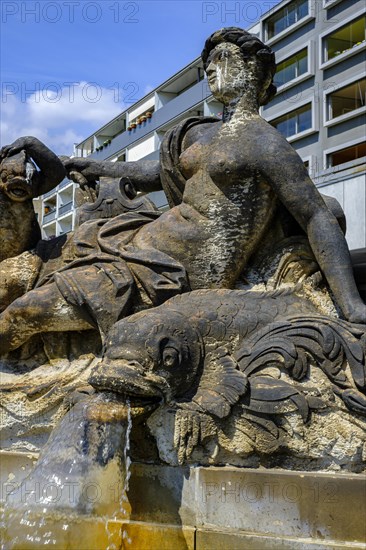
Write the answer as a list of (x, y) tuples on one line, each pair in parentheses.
[(69, 11), (68, 493), (240, 13), (246, 12), (53, 92), (248, 491)]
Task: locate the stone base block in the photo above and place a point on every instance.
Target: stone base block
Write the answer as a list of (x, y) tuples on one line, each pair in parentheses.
[(213, 508), (219, 540)]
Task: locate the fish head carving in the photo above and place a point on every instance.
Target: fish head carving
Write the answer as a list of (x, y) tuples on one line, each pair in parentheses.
[(152, 354)]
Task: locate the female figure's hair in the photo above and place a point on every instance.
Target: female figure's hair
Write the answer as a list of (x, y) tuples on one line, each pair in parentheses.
[(249, 46)]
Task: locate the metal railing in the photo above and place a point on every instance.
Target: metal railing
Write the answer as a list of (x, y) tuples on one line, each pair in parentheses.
[(65, 208), (49, 216)]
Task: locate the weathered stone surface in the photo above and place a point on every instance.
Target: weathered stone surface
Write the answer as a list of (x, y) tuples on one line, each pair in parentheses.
[(20, 182), (247, 378), (270, 375), (34, 400), (236, 187)]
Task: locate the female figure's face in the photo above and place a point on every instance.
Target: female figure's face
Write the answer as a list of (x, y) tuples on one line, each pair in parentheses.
[(229, 74)]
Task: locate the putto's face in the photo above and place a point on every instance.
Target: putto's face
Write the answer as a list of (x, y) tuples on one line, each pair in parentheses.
[(228, 73), (16, 173)]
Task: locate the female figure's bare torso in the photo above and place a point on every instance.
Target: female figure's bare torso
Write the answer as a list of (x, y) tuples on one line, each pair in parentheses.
[(226, 208)]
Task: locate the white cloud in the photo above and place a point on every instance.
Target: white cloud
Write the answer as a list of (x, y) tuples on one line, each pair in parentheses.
[(148, 88), (58, 116)]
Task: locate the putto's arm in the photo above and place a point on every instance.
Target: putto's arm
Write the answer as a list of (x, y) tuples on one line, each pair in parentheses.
[(51, 168)]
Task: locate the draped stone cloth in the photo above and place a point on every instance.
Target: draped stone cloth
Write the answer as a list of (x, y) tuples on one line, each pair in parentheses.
[(109, 277), (172, 179)]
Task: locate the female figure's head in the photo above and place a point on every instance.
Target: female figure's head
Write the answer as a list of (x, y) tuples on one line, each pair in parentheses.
[(236, 61)]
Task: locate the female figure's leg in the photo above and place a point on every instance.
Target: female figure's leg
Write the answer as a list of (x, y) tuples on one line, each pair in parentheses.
[(41, 310)]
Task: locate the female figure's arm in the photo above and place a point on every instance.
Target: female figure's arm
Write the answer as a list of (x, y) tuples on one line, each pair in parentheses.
[(283, 169), (143, 174)]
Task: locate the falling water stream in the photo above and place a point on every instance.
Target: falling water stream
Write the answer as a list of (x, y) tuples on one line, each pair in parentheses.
[(79, 483), (122, 512)]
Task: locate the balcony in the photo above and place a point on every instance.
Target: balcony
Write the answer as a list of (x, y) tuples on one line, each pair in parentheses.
[(49, 217), (49, 193), (194, 95), (65, 208), (65, 182)]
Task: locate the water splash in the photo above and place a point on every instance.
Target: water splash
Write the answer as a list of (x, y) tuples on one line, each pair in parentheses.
[(123, 509), (85, 456)]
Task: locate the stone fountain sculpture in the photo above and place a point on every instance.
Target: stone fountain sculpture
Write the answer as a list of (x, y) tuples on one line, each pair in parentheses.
[(232, 322)]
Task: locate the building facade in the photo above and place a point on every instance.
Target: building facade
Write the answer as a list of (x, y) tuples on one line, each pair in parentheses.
[(320, 108)]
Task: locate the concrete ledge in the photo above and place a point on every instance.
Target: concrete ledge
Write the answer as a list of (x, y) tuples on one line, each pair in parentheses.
[(243, 508), (283, 503), (219, 540), (217, 508)]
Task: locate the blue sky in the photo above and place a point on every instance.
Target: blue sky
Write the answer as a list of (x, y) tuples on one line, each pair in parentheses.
[(67, 66)]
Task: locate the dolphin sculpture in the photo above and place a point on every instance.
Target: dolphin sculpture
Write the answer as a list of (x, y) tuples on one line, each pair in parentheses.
[(207, 350)]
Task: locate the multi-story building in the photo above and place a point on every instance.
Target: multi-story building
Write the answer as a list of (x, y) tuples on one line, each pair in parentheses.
[(319, 107), (57, 213)]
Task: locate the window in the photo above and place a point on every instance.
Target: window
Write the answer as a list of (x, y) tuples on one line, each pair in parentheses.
[(289, 15), (346, 155), (292, 67), (347, 99), (345, 38), (294, 122)]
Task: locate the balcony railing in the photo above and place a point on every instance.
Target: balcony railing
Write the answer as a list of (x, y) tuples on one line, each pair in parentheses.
[(49, 216), (65, 208)]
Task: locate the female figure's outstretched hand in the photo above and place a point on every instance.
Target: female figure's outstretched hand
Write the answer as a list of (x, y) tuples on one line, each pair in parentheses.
[(89, 169)]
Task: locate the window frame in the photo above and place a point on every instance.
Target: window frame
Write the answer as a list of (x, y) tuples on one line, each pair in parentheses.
[(311, 159), (341, 118), (309, 46), (345, 55), (114, 157), (314, 126), (330, 3), (336, 148), (291, 28)]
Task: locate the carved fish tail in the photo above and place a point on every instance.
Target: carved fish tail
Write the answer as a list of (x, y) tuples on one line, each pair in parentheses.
[(298, 342)]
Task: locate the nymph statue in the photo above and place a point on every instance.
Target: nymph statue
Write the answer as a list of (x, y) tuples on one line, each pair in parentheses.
[(218, 360), (228, 182)]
